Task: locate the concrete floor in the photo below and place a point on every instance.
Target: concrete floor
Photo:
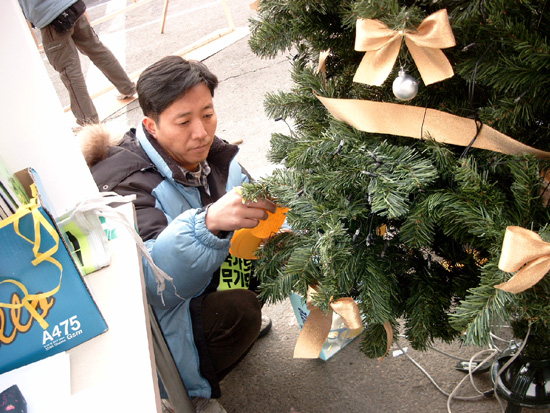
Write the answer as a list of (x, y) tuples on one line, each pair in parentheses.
[(269, 380)]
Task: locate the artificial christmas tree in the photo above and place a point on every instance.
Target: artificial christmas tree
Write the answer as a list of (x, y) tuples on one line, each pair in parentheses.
[(401, 200)]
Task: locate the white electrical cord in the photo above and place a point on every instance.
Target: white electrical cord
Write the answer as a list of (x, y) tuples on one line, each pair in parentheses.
[(468, 398), (447, 354), (505, 366), (493, 352)]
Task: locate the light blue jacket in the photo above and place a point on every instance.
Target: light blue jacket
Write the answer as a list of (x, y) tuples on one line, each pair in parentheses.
[(171, 220)]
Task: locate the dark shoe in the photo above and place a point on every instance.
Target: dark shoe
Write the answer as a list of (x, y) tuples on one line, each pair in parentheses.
[(266, 326)]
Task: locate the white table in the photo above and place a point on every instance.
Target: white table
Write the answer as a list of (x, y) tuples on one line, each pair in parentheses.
[(115, 372)]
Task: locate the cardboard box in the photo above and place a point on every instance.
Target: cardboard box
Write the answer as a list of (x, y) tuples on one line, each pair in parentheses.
[(45, 305), (339, 336)]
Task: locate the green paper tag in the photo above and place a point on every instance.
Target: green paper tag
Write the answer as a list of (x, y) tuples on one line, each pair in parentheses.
[(235, 273)]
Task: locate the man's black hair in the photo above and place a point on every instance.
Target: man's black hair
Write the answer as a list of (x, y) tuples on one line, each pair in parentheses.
[(168, 79)]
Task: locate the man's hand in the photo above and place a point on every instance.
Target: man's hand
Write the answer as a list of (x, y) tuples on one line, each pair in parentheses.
[(229, 213)]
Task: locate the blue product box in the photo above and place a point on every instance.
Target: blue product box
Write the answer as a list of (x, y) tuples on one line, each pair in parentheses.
[(45, 305)]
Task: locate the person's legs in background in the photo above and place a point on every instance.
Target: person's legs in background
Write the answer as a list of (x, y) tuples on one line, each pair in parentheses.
[(87, 41), (63, 56)]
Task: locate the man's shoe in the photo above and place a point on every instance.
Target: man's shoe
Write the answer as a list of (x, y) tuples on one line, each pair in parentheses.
[(207, 405), (266, 326)]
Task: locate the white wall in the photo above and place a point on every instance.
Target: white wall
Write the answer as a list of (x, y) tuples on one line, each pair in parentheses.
[(36, 132)]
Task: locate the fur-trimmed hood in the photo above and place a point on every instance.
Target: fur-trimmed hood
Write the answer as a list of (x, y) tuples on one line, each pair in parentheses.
[(95, 142)]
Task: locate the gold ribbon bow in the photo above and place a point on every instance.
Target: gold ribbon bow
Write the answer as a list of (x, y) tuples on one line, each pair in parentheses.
[(526, 251), (382, 45), (318, 324), (39, 221)]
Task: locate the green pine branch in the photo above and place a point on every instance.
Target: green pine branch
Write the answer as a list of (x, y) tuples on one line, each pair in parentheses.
[(483, 308)]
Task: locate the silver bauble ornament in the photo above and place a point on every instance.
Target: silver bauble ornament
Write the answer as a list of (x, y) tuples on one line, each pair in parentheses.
[(405, 87)]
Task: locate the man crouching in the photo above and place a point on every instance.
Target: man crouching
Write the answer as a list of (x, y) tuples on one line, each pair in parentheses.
[(186, 181)]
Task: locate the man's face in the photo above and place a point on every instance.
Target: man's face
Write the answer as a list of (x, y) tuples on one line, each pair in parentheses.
[(186, 128)]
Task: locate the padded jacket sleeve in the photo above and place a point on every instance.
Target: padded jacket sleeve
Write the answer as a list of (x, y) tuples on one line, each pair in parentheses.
[(179, 243), (188, 252), (182, 247)]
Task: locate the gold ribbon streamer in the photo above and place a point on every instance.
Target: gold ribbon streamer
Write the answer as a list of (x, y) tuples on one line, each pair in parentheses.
[(38, 221), (382, 45), (526, 251), (420, 123), (318, 324), (321, 67), (389, 338)]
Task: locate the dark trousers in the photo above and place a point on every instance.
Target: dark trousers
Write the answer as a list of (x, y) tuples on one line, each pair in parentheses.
[(225, 326), (231, 324)]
